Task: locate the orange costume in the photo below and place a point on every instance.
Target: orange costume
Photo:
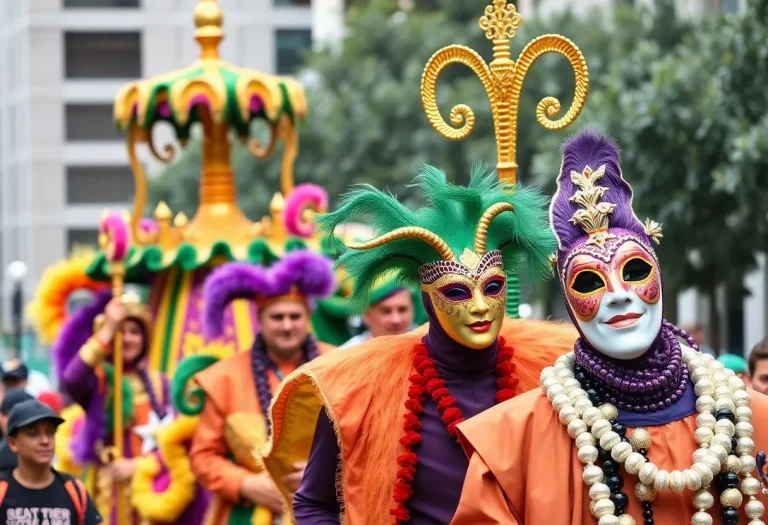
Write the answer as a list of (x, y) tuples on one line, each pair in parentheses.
[(232, 396), (349, 386), (524, 468), (232, 406)]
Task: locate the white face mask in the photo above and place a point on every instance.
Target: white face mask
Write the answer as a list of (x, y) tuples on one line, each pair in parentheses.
[(618, 306)]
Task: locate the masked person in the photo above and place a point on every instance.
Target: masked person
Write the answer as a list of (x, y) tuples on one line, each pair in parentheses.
[(33, 492), (237, 391), (385, 415), (632, 427)]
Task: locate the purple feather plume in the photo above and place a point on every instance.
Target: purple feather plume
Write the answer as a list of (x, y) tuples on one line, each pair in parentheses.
[(309, 272), (76, 331), (589, 148)]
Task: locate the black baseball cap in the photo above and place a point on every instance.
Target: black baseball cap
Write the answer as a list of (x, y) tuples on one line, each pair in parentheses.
[(28, 413), (14, 369), (13, 398)]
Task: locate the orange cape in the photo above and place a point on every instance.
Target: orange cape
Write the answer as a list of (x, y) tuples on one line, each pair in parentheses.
[(524, 468), (363, 390)]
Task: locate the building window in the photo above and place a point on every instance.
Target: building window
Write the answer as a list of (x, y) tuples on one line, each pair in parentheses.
[(102, 55), (98, 184), (90, 122), (82, 237), (100, 3), (293, 3), (292, 45)]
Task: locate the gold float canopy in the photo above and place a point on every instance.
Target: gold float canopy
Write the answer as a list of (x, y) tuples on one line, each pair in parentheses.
[(224, 100)]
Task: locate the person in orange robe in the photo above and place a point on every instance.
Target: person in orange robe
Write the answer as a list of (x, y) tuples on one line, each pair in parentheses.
[(238, 390), (377, 421), (633, 427)]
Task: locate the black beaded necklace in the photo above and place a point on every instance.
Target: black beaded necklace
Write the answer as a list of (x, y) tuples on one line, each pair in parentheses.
[(261, 364), (611, 468), (728, 480), (614, 481)]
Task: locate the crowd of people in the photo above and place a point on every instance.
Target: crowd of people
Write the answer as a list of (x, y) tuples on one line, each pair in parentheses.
[(446, 409), (472, 418)]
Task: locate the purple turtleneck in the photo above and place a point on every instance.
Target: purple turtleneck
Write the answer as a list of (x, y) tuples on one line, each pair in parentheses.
[(470, 377)]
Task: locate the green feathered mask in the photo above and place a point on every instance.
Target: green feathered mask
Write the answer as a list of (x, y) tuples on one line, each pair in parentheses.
[(459, 223)]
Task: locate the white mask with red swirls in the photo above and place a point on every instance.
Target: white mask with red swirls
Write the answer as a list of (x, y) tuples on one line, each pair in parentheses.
[(618, 305)]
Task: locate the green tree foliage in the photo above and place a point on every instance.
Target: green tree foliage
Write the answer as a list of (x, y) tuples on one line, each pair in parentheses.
[(698, 130)]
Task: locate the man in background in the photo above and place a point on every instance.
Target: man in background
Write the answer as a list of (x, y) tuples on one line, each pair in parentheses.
[(392, 310), (15, 374), (758, 366), (8, 460)]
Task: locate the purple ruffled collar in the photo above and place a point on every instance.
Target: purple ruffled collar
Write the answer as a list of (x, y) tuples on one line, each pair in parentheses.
[(649, 383)]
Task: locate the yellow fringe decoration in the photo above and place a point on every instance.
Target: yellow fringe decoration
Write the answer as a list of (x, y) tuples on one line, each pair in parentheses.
[(166, 506), (48, 311)]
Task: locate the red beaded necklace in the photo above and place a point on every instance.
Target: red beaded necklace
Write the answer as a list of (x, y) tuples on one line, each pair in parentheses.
[(425, 381)]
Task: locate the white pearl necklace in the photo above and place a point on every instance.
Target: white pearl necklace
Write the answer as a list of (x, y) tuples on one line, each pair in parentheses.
[(716, 388)]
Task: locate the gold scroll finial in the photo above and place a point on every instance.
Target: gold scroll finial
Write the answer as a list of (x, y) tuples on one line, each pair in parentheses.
[(208, 20), (503, 81)]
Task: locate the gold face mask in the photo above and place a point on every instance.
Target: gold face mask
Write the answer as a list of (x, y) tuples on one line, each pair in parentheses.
[(469, 304)]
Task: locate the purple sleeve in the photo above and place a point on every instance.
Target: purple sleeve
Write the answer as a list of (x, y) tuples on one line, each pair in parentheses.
[(80, 381), (315, 502)]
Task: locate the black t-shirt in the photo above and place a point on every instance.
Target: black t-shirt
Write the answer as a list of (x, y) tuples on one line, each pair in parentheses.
[(49, 506)]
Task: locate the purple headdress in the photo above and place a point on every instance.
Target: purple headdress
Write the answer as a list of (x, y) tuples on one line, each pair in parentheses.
[(76, 331), (591, 211), (300, 273)]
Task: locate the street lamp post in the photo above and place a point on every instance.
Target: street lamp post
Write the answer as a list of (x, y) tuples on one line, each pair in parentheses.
[(17, 271)]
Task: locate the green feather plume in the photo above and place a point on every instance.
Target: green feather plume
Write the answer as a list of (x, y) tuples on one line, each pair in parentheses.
[(452, 212)]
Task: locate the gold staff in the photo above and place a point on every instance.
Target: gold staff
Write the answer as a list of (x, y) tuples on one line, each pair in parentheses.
[(114, 239)]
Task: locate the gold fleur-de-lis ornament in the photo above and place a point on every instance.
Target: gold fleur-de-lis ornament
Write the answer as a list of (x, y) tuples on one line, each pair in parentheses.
[(503, 81)]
